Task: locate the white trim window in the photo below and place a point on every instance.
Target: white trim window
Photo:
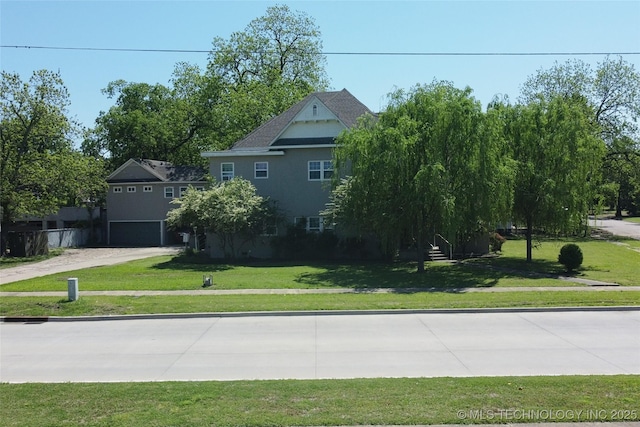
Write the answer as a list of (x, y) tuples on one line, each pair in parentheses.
[(182, 191), (147, 189), (117, 189), (168, 192), (226, 171), (311, 224), (261, 170), (320, 170), (131, 189)]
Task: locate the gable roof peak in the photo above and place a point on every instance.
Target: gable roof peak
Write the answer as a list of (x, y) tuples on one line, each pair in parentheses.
[(346, 107)]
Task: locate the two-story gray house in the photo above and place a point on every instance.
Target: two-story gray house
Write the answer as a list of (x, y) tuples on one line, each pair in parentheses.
[(139, 197), (289, 158)]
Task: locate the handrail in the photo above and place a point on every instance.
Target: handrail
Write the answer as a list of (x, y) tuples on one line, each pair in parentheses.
[(448, 244)]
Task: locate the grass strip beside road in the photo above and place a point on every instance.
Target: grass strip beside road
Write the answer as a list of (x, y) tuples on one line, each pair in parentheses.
[(404, 401), (123, 305)]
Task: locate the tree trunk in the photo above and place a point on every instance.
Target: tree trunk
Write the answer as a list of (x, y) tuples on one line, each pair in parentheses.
[(420, 255), (529, 234), (618, 207)]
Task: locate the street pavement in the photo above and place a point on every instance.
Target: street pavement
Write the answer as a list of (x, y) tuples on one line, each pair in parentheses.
[(316, 345), (617, 227)]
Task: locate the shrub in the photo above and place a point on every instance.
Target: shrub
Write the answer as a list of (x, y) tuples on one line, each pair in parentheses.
[(570, 256), (496, 241)]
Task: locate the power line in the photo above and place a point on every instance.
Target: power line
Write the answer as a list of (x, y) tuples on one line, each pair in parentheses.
[(105, 49)]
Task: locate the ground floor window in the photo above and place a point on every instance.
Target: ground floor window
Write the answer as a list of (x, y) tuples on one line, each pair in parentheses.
[(312, 224)]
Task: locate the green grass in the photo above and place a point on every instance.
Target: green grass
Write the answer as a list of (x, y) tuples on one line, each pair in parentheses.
[(405, 401), (180, 273), (615, 261), (635, 219), (441, 286), (112, 305)]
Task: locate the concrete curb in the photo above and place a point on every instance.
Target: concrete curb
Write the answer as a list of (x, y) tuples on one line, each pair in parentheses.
[(44, 319)]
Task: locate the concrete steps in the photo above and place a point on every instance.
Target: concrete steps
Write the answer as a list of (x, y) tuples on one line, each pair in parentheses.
[(435, 254)]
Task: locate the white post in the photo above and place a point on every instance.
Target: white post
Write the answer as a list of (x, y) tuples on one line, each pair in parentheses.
[(72, 285)]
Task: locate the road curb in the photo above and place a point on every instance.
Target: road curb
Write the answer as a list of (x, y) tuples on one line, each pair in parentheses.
[(44, 319)]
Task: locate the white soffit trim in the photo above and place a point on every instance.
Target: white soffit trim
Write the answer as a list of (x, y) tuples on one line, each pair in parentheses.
[(241, 153), (289, 147)]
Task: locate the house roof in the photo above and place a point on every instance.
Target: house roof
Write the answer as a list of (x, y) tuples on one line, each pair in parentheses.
[(161, 171), (342, 104)]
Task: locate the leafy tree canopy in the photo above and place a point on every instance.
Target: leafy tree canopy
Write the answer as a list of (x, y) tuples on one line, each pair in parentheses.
[(558, 157), (612, 91), (39, 170), (430, 164), (250, 78), (231, 210)]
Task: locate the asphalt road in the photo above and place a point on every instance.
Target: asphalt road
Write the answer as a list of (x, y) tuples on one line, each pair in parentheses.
[(617, 227), (323, 346)]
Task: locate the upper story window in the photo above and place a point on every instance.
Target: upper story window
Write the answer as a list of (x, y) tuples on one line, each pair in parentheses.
[(168, 192), (182, 191), (314, 110), (117, 189), (147, 189), (320, 170), (131, 189), (261, 170), (226, 171)]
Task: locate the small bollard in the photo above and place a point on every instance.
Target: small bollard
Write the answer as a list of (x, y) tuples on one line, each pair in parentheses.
[(207, 281), (72, 285)]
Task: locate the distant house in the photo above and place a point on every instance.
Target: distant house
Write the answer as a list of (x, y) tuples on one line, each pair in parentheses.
[(289, 158), (139, 197)]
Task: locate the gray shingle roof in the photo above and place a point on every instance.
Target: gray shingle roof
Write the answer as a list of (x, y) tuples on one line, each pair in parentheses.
[(172, 173), (341, 103), (165, 171)]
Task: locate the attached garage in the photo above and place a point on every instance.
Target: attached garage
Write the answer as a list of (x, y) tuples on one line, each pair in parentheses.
[(136, 233)]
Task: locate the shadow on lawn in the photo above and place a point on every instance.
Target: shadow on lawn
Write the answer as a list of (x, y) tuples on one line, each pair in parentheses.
[(403, 278), (197, 263)]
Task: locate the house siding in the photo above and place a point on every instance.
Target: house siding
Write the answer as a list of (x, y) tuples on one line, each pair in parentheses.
[(137, 218), (288, 182)]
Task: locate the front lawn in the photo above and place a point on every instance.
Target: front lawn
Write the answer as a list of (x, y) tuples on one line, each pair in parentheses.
[(616, 261)]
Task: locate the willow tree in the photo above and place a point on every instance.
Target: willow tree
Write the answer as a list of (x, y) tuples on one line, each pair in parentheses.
[(431, 163), (558, 156)]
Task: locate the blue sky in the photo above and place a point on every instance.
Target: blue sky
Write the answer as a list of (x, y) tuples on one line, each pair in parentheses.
[(347, 26)]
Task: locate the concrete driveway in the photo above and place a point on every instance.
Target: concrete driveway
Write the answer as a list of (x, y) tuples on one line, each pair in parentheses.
[(323, 346), (75, 259)]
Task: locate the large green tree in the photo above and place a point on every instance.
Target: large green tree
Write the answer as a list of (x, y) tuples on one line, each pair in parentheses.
[(558, 156), (612, 90), (173, 123), (231, 210), (251, 77), (431, 163), (275, 62), (39, 170)]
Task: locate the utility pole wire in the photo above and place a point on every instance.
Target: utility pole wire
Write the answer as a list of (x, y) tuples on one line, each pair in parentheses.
[(105, 49)]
